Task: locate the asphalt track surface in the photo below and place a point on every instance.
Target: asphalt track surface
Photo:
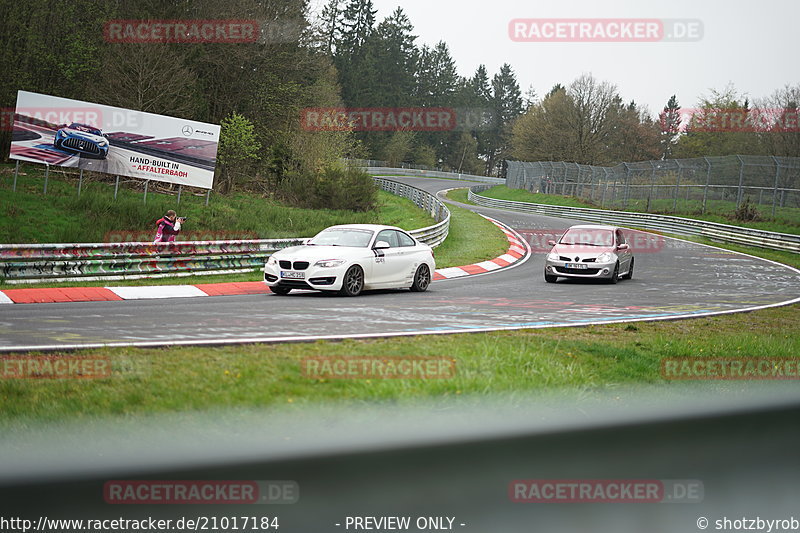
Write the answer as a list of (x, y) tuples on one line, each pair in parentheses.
[(678, 279)]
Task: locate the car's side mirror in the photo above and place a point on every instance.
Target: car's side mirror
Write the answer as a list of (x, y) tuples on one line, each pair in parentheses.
[(380, 245), (623, 246), (551, 242)]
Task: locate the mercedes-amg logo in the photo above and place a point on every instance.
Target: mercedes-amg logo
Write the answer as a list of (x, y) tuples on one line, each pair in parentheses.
[(188, 130)]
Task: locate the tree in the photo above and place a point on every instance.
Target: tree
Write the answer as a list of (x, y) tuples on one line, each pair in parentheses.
[(506, 104), (670, 120), (720, 127), (588, 121), (238, 148)]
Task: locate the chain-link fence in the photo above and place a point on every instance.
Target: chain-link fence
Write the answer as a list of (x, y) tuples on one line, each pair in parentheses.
[(674, 185)]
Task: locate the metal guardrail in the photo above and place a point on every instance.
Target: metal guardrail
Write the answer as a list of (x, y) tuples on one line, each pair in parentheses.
[(432, 174), (663, 223), (57, 262), (23, 263), (432, 235)]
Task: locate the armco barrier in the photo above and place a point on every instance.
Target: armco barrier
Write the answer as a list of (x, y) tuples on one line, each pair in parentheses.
[(412, 172), (663, 223), (60, 262), (432, 235)]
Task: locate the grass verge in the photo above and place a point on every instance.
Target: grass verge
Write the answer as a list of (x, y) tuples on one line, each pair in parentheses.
[(148, 381)]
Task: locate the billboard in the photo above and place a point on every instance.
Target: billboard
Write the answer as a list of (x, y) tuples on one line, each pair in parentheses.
[(71, 133)]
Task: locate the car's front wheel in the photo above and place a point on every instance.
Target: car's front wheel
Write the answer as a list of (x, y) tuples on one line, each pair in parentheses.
[(629, 275), (422, 279), (281, 291), (550, 279), (614, 275), (353, 282)]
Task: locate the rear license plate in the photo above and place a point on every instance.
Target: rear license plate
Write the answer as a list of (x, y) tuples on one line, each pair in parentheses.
[(293, 275), (577, 266)]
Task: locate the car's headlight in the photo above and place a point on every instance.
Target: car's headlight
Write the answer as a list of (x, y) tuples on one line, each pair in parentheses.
[(552, 256), (605, 257), (102, 143), (328, 263), (272, 261)]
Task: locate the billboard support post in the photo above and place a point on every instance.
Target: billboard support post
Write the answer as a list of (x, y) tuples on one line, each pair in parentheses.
[(208, 195), (80, 182), (179, 194), (116, 187), (46, 177), (16, 172), (144, 198)]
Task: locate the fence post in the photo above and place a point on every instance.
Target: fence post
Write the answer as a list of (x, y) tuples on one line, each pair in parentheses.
[(179, 194), (208, 195), (16, 173), (708, 180), (80, 182), (605, 188), (652, 185), (741, 180), (116, 187), (627, 191), (564, 182), (146, 184), (46, 177), (775, 191)]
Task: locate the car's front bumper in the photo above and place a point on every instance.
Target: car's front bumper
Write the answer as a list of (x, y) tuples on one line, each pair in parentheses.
[(592, 270), (314, 277)]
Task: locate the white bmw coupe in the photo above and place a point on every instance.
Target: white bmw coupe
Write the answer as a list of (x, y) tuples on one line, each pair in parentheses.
[(352, 258)]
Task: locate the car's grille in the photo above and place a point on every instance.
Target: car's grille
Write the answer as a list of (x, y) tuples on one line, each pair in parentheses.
[(286, 264), (582, 271), (294, 284), (576, 260), (300, 265), (83, 146)]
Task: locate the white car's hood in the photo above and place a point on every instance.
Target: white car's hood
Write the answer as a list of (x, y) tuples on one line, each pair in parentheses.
[(315, 253)]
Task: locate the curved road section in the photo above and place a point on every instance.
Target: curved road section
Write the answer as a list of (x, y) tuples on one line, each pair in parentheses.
[(672, 279)]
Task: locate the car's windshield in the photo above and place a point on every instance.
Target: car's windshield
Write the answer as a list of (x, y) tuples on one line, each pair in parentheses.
[(84, 128), (588, 237), (357, 238)]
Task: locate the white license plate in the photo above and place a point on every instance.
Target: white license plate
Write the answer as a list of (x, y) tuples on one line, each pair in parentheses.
[(293, 275), (578, 266)]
